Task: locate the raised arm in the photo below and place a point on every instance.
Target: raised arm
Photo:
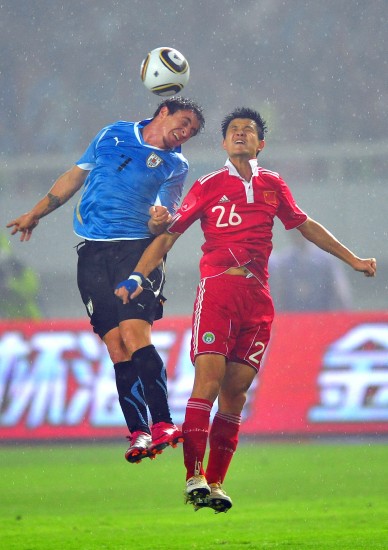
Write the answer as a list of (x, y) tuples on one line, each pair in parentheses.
[(63, 189), (151, 258), (320, 236)]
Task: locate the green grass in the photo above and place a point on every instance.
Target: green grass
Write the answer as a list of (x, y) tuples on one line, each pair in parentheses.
[(284, 496)]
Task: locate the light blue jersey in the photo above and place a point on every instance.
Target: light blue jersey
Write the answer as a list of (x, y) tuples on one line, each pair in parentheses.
[(126, 177)]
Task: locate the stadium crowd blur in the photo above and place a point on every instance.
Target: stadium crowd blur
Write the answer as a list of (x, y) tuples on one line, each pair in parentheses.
[(19, 285), (320, 55), (305, 278), (316, 71)]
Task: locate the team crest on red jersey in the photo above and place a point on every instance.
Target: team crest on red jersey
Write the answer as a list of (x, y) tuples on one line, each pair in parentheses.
[(208, 337), (270, 197), (188, 203), (153, 160)]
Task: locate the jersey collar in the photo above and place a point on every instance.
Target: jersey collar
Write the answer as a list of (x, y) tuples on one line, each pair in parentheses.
[(233, 171), (139, 125)]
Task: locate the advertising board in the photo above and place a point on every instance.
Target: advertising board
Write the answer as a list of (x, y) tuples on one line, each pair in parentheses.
[(323, 373)]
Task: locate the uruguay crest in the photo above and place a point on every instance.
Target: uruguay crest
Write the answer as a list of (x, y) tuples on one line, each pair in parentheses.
[(153, 160)]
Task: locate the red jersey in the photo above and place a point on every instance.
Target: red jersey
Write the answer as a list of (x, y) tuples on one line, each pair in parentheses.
[(237, 218)]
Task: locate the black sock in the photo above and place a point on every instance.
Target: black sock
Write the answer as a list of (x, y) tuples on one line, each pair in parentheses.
[(152, 373), (131, 397)]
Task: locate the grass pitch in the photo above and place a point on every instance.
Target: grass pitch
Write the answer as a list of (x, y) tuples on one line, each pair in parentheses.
[(304, 495)]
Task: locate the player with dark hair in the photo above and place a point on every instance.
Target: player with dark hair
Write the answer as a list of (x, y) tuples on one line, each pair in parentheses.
[(233, 310), (244, 112), (132, 176)]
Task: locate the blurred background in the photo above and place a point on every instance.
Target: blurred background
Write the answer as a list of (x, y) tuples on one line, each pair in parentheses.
[(317, 71)]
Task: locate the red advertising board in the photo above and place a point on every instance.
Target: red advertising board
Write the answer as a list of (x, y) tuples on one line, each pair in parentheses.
[(322, 374)]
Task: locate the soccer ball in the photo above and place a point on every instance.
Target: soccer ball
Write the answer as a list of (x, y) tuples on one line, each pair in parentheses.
[(165, 71)]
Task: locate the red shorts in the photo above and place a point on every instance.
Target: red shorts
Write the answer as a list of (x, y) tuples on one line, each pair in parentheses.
[(232, 317)]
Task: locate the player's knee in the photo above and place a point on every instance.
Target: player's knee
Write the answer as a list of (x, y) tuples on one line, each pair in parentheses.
[(206, 389), (115, 346), (232, 398), (135, 334), (118, 355)]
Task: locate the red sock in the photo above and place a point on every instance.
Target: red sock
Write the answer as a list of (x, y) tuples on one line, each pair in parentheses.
[(223, 441), (195, 432)]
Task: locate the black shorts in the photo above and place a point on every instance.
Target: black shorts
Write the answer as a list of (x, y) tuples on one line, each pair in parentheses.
[(104, 264)]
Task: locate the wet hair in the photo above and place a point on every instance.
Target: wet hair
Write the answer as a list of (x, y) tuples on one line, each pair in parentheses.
[(179, 103), (245, 112)]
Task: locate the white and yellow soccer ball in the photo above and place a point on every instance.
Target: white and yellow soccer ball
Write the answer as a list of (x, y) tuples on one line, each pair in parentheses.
[(165, 71)]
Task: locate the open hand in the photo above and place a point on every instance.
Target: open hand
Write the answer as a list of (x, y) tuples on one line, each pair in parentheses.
[(25, 224)]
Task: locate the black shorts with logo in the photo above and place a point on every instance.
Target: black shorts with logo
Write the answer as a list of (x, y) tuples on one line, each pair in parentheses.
[(104, 264)]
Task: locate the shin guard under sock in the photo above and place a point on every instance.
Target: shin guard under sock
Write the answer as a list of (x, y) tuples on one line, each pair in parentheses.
[(223, 439), (195, 431), (153, 375), (131, 397)]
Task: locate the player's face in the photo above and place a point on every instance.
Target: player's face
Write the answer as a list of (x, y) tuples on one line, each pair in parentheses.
[(242, 138), (179, 127)]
